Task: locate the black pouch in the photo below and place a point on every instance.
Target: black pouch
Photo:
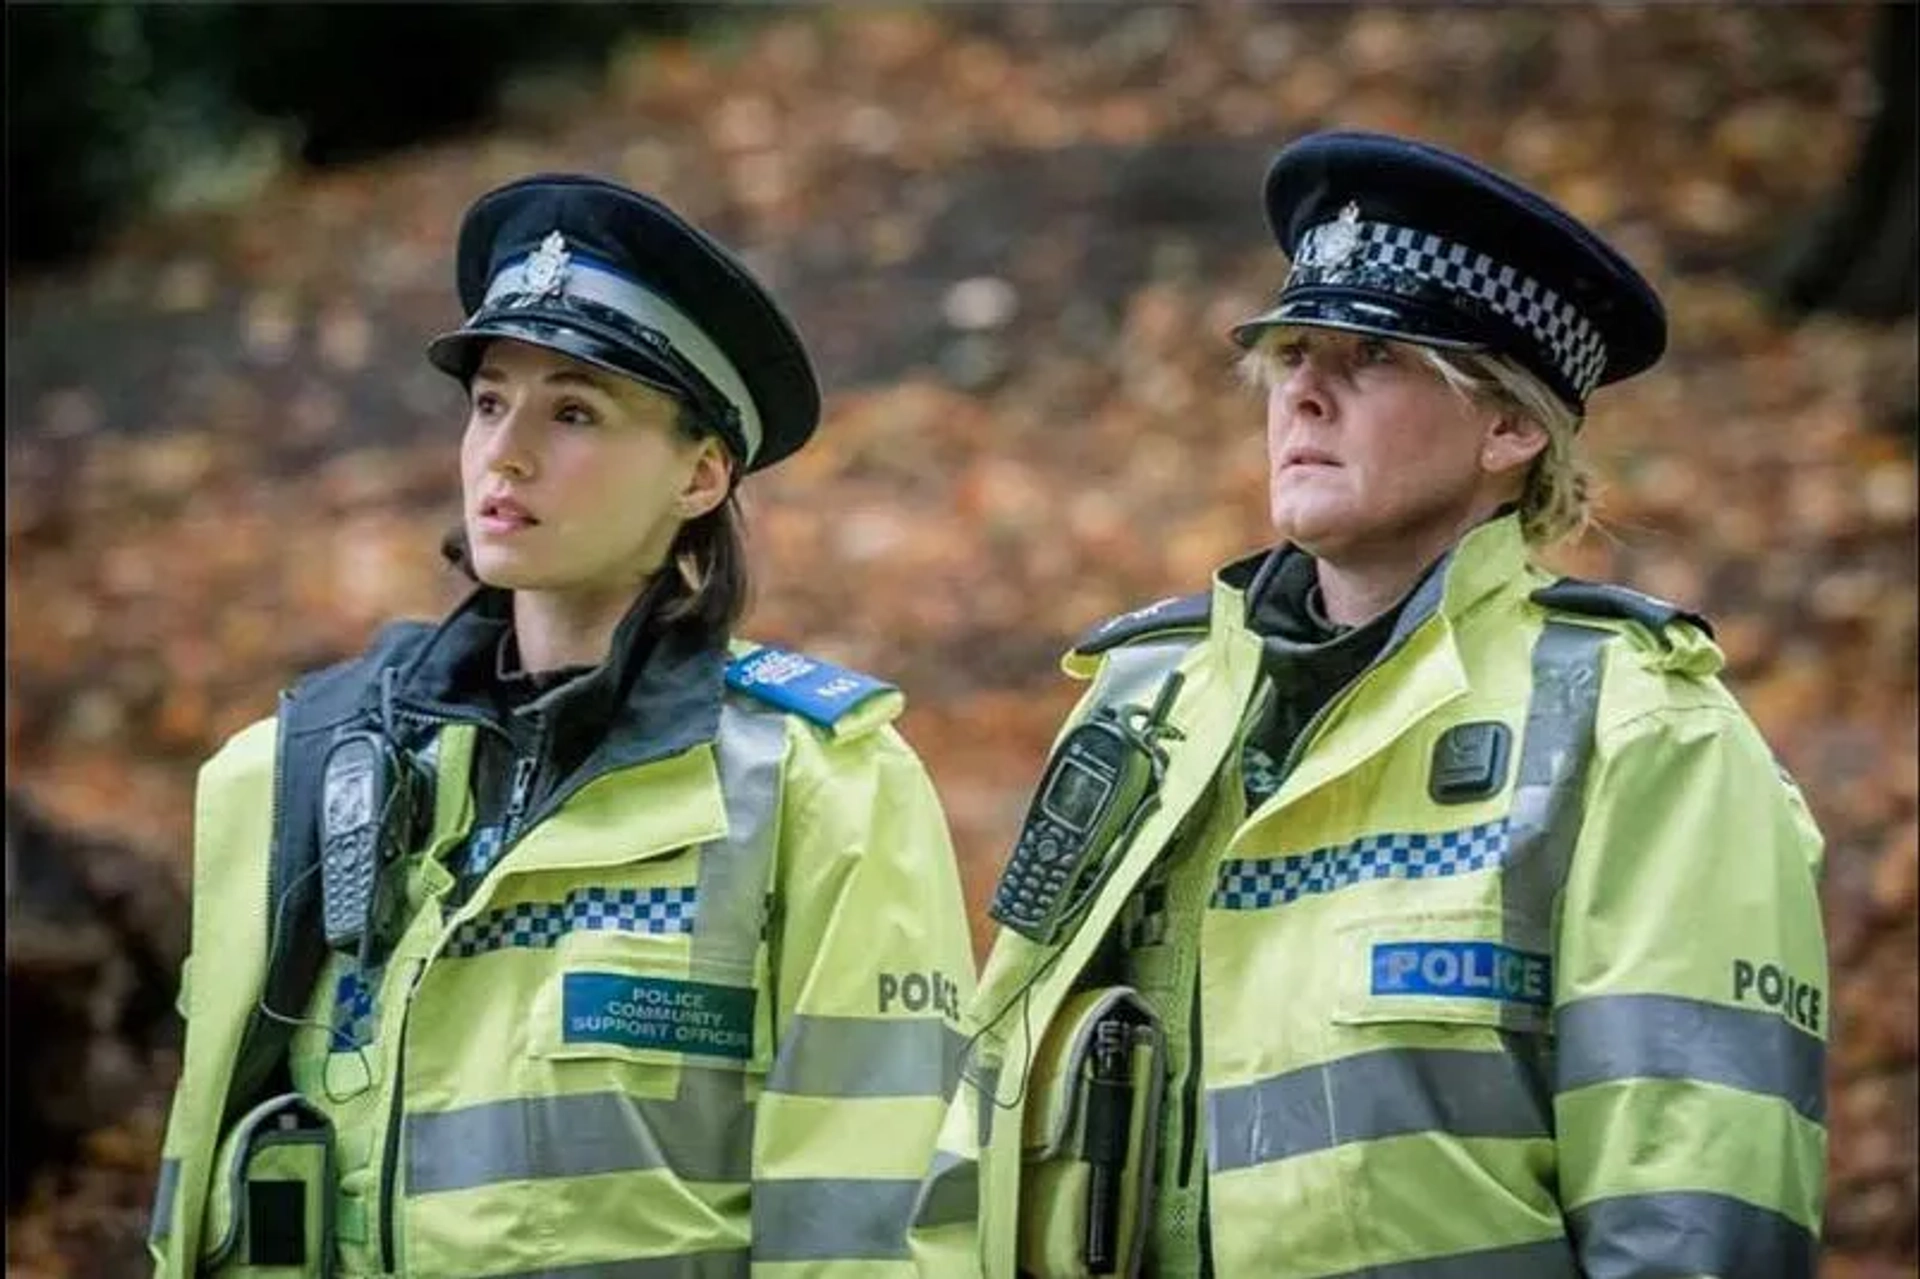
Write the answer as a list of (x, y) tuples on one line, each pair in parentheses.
[(1061, 1188), (270, 1211)]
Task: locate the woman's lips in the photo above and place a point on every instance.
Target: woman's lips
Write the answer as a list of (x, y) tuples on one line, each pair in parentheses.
[(500, 516), (1308, 457)]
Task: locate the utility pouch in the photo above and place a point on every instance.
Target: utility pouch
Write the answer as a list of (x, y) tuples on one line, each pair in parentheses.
[(1090, 1136), (270, 1211)]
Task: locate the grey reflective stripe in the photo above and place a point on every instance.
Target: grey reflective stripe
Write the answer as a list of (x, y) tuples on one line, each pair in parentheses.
[(736, 1264), (832, 1219), (1379, 1094), (1547, 1259), (1132, 673), (986, 1096), (735, 872), (865, 1057), (950, 1195), (1688, 1233), (704, 1134), (1667, 1037), (164, 1191), (1548, 792)]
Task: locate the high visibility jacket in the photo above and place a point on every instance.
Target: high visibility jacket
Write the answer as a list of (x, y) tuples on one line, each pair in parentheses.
[(1558, 1013), (696, 1020)]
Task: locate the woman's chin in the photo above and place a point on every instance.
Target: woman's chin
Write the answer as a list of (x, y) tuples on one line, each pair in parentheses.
[(504, 572), (1306, 526)]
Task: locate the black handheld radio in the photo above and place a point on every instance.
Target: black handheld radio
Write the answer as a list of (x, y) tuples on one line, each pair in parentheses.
[(359, 786), (370, 802), (1100, 782)]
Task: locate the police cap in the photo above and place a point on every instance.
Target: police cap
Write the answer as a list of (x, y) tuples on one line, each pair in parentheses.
[(614, 278), (1405, 240)]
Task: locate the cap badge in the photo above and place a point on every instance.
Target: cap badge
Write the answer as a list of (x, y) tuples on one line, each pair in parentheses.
[(546, 269), (1334, 242)]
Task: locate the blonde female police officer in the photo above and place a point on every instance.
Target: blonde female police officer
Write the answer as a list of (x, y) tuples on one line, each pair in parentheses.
[(569, 937), (1468, 929)]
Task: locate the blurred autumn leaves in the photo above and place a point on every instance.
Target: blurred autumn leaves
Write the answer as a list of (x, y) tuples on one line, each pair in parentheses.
[(1014, 239)]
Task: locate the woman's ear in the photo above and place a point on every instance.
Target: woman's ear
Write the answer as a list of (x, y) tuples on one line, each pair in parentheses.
[(708, 482), (1511, 441)]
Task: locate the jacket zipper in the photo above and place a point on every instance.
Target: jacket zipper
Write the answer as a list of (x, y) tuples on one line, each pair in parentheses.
[(1190, 1089), (1190, 1098), (390, 1148), (525, 769), (1235, 797)]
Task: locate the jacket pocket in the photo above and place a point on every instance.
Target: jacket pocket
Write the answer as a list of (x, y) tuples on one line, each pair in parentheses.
[(269, 1214), (1089, 1138), (1441, 968), (629, 1006)]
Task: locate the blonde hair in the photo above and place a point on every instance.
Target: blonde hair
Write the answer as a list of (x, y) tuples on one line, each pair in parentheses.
[(1556, 496)]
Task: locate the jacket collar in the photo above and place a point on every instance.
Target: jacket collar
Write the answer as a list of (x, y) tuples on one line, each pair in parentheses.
[(1488, 556), (657, 694)]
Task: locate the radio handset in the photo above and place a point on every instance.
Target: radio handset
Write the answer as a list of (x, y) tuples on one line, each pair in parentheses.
[(1100, 783), (365, 814)]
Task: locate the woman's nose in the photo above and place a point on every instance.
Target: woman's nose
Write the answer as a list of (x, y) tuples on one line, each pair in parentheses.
[(1302, 393), (509, 451)]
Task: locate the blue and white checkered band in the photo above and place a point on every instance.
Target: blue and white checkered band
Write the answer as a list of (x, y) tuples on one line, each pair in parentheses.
[(549, 275), (1410, 263)]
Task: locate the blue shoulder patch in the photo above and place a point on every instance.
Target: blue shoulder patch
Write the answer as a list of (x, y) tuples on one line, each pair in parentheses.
[(1604, 599), (1175, 613), (812, 689)]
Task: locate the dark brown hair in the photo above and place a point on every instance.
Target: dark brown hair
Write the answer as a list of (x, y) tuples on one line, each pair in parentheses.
[(704, 583)]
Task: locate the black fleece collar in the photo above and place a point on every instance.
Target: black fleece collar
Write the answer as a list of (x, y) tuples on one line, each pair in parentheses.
[(657, 694)]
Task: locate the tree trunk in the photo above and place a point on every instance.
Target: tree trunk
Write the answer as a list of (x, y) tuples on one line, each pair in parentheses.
[(95, 935), (1857, 255)]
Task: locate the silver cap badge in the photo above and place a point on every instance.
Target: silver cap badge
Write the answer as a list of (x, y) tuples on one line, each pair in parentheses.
[(1334, 242), (546, 269)]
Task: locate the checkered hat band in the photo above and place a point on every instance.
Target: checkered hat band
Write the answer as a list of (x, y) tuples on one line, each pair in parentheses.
[(1259, 883), (1409, 262), (542, 924)]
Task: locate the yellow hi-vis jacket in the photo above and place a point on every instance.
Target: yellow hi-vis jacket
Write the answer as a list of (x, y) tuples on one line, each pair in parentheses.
[(1569, 1027), (696, 1021)]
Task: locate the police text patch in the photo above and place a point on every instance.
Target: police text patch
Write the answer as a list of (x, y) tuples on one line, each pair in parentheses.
[(1462, 970), (1771, 986), (657, 1012)]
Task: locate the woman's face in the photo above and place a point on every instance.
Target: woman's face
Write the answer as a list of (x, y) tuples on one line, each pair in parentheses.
[(1371, 455), (575, 479)]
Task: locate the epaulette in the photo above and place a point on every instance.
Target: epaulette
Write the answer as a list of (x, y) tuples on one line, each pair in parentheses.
[(1603, 599), (1174, 613), (819, 692)]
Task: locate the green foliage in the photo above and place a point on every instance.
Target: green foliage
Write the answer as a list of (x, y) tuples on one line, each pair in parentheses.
[(112, 105)]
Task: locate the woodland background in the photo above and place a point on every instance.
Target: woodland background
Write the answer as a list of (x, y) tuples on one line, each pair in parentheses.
[(1014, 237)]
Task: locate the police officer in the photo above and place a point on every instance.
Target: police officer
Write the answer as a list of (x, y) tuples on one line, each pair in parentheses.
[(1467, 927), (571, 935)]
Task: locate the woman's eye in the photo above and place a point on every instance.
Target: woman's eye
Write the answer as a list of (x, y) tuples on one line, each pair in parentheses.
[(1375, 351), (1289, 354), (486, 404), (575, 415)]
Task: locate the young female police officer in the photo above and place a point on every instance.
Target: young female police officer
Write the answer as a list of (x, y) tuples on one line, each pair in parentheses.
[(569, 937), (1408, 913)]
